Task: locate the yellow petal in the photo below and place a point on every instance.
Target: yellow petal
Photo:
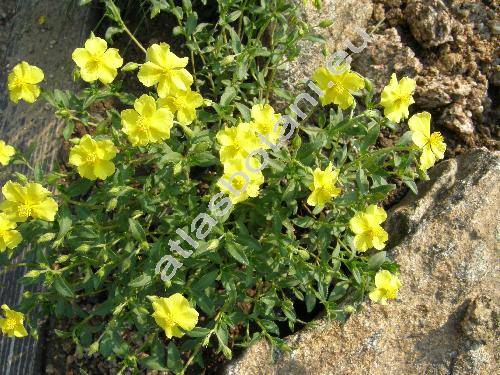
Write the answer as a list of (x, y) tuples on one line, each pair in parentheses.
[(81, 57), (421, 123), (363, 241), (45, 210), (103, 169), (158, 54), (427, 159), (358, 223), (145, 105), (149, 74), (112, 58), (96, 46)]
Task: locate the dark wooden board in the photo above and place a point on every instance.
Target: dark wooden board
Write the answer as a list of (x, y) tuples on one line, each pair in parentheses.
[(44, 33)]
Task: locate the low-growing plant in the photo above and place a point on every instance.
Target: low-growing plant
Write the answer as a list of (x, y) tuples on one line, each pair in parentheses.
[(193, 215)]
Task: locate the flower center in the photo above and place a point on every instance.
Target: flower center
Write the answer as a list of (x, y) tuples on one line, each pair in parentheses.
[(238, 182), (91, 158), (142, 124), (24, 210), (9, 324), (169, 321)]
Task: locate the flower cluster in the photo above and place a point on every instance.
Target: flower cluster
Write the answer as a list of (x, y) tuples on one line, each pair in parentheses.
[(239, 146)]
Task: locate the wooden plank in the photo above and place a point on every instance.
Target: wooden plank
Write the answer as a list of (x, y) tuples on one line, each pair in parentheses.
[(44, 33)]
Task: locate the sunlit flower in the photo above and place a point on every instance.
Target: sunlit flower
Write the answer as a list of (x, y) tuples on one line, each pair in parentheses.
[(238, 141), (93, 158), (9, 236), (240, 182), (264, 121), (397, 97), (6, 152), (386, 287), (366, 226), (31, 200), (338, 85), (146, 123), (432, 145), (23, 82), (96, 61), (165, 69), (12, 324), (173, 314), (323, 187), (183, 104)]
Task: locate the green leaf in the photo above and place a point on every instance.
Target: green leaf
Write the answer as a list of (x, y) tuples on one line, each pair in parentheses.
[(227, 96), (411, 184), (62, 287), (136, 230), (140, 281), (376, 260), (236, 251)]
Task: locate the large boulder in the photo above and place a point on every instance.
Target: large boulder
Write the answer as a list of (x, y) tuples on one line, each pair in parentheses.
[(445, 320)]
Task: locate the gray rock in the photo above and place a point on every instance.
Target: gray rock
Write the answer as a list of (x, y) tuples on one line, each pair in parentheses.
[(347, 16), (429, 21), (445, 320)]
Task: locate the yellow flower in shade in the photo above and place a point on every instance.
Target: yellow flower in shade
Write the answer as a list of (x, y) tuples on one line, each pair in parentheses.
[(264, 120), (338, 85), (173, 314), (397, 97), (183, 104), (165, 69), (12, 324), (238, 141), (23, 82), (386, 287), (432, 145), (31, 200), (96, 61), (323, 187), (146, 123), (239, 182), (9, 236), (366, 226), (93, 158), (6, 152)]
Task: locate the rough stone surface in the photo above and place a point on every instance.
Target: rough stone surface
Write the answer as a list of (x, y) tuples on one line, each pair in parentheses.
[(347, 16), (429, 21), (451, 49), (445, 320)]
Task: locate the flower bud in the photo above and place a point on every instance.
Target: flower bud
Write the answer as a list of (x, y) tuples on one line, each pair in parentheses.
[(227, 60), (326, 23), (130, 67)]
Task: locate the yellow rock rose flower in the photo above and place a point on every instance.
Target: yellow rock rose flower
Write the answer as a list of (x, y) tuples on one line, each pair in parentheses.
[(12, 324), (165, 69), (6, 152), (183, 104), (9, 236), (323, 187), (96, 61), (264, 120), (146, 123), (93, 158), (366, 226), (23, 82), (432, 145), (31, 200), (239, 182), (397, 97), (238, 141), (386, 287), (173, 314), (338, 85)]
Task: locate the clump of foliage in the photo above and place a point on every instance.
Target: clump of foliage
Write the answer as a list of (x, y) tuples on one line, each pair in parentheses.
[(146, 222)]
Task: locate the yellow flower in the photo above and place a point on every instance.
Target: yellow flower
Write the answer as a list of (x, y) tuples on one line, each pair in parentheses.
[(366, 226), (165, 69), (93, 158), (12, 324), (145, 123), (173, 313), (184, 104), (238, 141), (6, 152), (23, 82), (32, 200), (264, 120), (432, 145), (397, 97), (239, 182), (323, 187), (338, 85), (386, 287), (96, 61), (9, 236)]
